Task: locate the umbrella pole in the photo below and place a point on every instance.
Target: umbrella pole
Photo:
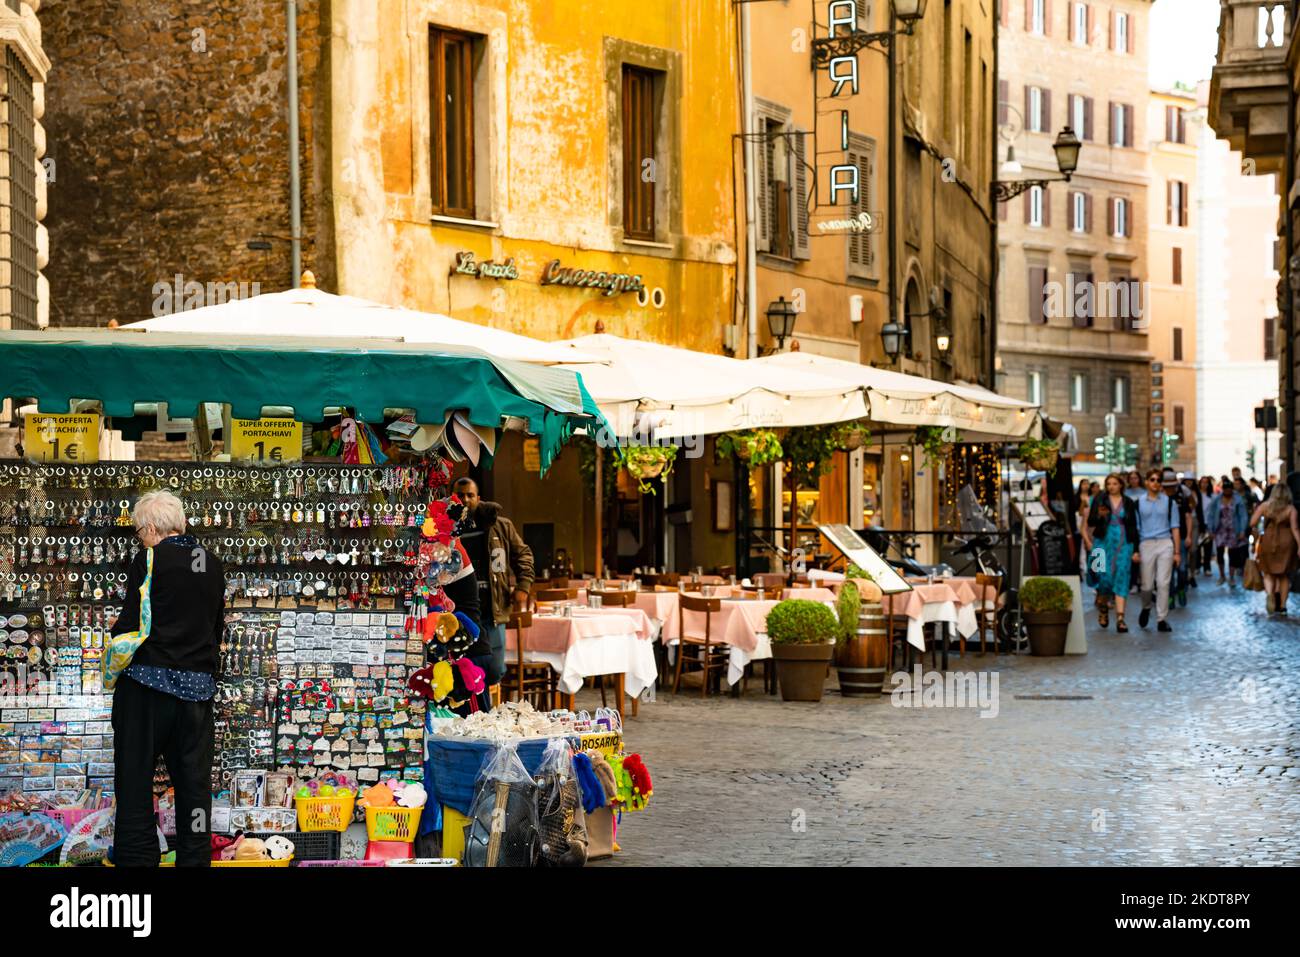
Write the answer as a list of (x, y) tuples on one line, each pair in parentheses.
[(600, 502)]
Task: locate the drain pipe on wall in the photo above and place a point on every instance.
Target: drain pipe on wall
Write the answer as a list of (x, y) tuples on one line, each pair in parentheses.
[(751, 203), (295, 184)]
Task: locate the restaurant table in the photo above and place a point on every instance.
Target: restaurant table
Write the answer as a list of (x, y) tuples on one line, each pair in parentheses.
[(950, 601), (660, 606), (594, 642)]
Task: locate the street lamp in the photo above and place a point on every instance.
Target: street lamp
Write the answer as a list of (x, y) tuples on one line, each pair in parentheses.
[(894, 338), (1066, 147), (780, 320), (909, 11)]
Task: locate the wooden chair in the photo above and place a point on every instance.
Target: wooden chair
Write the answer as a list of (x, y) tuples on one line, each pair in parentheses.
[(556, 594), (987, 590), (711, 657), (529, 681), (762, 594), (770, 580), (614, 599), (668, 578)]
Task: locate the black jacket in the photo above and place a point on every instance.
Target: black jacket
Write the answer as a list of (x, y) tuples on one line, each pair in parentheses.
[(1099, 518), (188, 598)]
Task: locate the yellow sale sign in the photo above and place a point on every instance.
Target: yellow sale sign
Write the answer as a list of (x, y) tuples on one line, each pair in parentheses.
[(265, 440), (73, 439)]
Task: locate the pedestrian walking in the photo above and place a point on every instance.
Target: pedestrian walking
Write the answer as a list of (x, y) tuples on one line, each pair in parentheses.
[(1173, 488), (1110, 537), (1229, 522), (1135, 488), (162, 703), (1205, 547), (1079, 509), (1158, 548), (1278, 546)]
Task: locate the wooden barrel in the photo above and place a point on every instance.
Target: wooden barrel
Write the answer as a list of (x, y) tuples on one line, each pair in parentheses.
[(862, 660)]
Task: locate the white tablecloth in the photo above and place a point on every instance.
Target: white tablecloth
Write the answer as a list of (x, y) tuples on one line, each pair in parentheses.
[(627, 654)]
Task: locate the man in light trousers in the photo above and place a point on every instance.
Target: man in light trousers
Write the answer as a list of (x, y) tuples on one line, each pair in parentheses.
[(1158, 548)]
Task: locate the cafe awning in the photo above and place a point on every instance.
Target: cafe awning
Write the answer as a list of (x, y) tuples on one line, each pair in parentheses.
[(310, 312), (908, 401), (653, 391), (121, 368)]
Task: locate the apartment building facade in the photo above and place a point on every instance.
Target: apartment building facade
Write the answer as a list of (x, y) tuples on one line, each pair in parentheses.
[(1073, 321)]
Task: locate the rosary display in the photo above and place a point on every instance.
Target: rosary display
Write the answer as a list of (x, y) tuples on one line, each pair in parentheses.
[(324, 597)]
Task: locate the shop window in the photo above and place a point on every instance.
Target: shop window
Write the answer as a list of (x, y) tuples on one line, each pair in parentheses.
[(1034, 394), (1119, 395), (451, 115), (1079, 392)]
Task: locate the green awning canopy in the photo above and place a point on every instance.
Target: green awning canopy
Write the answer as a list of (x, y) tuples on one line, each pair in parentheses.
[(121, 368)]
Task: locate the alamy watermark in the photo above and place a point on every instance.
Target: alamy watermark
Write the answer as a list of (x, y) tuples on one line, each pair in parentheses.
[(182, 295), (953, 689), (1121, 301)]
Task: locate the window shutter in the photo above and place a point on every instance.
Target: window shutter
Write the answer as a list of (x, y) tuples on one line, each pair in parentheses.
[(1178, 344), (1087, 212), (1004, 12), (1029, 206), (1114, 126), (1169, 124), (1090, 25), (1169, 202), (1110, 216), (1037, 287), (1047, 207), (1004, 98), (1070, 223), (1087, 118), (761, 190), (1029, 15), (1178, 266), (1129, 32), (1069, 22), (1182, 205), (1047, 111), (799, 196), (1128, 126), (1029, 116), (1047, 18)]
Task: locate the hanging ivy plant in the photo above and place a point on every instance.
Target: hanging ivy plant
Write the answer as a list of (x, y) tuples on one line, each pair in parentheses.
[(1039, 454), (645, 463), (809, 451), (853, 435), (754, 447), (936, 442)]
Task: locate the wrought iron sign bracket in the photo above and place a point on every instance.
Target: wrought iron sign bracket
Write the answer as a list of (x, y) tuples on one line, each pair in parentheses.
[(1007, 190), (825, 49)]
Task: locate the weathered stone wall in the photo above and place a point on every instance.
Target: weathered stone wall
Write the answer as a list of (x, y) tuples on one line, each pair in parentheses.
[(168, 122)]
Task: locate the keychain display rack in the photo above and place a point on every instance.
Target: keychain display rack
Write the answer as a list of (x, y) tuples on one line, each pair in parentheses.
[(318, 561)]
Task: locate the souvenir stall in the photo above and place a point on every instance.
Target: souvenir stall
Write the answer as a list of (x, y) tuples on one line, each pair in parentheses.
[(337, 534)]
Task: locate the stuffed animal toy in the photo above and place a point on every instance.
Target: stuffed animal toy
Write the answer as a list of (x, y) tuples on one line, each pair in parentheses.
[(605, 773), (250, 849), (421, 682), (444, 679), (219, 844), (279, 848), (593, 792), (641, 784), (380, 795), (412, 794)]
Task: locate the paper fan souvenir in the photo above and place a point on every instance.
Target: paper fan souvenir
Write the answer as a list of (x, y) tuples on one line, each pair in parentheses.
[(25, 838)]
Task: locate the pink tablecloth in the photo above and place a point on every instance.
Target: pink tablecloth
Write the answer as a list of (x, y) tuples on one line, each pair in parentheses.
[(552, 633), (809, 594), (959, 591), (738, 622)]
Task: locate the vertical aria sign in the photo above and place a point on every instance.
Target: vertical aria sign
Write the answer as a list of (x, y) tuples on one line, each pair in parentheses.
[(838, 52)]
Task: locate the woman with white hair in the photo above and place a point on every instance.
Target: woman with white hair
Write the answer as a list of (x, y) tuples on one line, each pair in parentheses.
[(1278, 546), (162, 704)]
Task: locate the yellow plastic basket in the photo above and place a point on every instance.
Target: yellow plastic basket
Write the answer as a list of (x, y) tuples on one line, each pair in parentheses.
[(284, 863), (325, 813), (393, 823)]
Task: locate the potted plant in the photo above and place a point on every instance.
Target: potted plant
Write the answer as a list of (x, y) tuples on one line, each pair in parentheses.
[(852, 436), (647, 462), (936, 443), (1040, 454), (803, 635), (754, 447), (1048, 606)]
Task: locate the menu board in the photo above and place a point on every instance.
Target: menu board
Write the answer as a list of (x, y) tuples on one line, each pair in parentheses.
[(852, 547)]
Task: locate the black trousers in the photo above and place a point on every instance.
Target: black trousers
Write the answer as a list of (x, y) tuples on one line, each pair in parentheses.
[(146, 724)]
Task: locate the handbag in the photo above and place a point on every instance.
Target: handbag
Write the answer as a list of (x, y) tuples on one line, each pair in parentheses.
[(1251, 578), (122, 648)]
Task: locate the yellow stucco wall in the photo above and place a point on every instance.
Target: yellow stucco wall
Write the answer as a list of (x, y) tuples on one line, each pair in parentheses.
[(549, 164)]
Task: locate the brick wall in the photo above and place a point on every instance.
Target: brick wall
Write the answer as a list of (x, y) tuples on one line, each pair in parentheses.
[(167, 119)]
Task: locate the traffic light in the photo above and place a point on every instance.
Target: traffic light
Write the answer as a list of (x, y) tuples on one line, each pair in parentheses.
[(1105, 445), (1168, 447), (1250, 459), (1130, 456)]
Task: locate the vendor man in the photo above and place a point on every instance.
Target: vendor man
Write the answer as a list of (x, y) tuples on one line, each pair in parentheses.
[(497, 550)]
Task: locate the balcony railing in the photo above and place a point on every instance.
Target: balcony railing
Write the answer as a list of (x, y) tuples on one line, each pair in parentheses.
[(1248, 90)]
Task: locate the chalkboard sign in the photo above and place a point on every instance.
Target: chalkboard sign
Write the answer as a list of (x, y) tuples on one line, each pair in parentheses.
[(1053, 550)]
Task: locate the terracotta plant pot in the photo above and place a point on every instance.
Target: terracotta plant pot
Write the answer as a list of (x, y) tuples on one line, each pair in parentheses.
[(801, 670), (1047, 632)]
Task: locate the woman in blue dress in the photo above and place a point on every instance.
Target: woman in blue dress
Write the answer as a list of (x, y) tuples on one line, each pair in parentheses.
[(1110, 538)]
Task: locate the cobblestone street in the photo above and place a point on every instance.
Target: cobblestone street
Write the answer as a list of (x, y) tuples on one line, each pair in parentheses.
[(1184, 753)]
